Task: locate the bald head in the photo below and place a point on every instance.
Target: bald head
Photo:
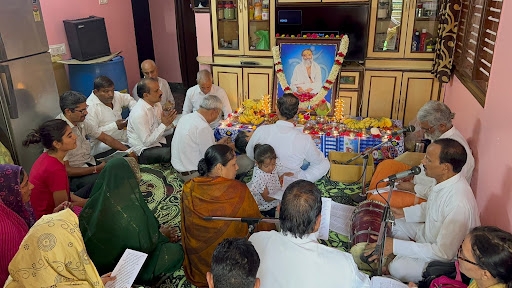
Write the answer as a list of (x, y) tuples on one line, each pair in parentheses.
[(149, 69)]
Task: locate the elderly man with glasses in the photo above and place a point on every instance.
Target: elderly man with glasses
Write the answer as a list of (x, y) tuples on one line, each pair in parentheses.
[(435, 119), (81, 166)]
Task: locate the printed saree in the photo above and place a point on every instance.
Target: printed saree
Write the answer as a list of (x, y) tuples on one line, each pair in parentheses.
[(53, 254)]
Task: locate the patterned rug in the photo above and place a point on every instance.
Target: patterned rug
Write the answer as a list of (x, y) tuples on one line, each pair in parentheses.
[(162, 191)]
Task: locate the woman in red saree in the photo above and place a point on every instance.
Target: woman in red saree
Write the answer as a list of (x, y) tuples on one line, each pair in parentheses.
[(214, 193)]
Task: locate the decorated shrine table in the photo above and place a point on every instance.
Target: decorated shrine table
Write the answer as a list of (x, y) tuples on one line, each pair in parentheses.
[(344, 141)]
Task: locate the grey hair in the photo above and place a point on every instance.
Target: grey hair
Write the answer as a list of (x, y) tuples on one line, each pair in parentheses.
[(435, 113), (211, 102), (70, 100), (203, 75)]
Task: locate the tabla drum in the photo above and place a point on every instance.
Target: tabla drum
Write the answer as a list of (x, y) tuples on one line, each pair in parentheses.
[(366, 221)]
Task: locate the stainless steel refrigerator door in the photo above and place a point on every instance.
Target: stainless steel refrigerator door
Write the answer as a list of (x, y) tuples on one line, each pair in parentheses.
[(22, 30), (31, 88)]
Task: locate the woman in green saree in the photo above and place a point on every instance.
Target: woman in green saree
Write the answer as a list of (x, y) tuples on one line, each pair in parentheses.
[(117, 218)]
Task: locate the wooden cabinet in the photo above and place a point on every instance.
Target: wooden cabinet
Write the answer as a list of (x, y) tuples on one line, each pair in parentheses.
[(398, 95), (237, 31), (350, 79), (243, 83), (393, 24), (319, 1)]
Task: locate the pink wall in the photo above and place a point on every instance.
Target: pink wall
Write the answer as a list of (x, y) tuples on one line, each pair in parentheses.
[(118, 20), (489, 131), (165, 39), (204, 36)]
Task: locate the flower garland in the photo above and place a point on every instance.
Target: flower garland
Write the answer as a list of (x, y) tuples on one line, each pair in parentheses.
[(340, 56)]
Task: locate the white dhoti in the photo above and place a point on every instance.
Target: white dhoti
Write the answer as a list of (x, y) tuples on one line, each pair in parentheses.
[(407, 269)]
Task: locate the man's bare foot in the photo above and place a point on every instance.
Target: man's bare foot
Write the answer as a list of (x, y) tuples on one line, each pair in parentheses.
[(170, 233)]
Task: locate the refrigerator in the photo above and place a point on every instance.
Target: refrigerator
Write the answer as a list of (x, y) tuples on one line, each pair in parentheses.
[(28, 92)]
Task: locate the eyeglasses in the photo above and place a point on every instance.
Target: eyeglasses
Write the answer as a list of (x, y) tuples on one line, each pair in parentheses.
[(465, 259), (83, 111), (428, 129)]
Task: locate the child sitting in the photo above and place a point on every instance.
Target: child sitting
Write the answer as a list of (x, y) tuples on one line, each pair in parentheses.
[(265, 179)]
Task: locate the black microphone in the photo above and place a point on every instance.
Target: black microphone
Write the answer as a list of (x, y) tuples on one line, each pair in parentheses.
[(409, 128), (413, 171)]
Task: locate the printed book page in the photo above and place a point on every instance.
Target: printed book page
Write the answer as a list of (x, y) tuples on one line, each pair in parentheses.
[(286, 181), (341, 216), (323, 231), (127, 269), (114, 155), (386, 282)]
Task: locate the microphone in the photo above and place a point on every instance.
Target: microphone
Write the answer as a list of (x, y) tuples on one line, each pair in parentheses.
[(413, 171), (409, 128)]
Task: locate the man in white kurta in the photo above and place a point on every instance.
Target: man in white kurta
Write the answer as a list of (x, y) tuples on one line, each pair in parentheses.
[(307, 76), (193, 136), (147, 125), (438, 226), (436, 122), (104, 112), (205, 87), (293, 257), (291, 145), (150, 70)]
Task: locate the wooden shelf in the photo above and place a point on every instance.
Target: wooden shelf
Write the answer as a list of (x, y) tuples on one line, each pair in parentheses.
[(227, 20)]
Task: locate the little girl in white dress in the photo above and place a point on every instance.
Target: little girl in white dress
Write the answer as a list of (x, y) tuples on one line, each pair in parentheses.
[(265, 179)]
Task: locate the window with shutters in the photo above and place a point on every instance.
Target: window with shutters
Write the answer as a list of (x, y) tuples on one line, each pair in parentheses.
[(476, 38)]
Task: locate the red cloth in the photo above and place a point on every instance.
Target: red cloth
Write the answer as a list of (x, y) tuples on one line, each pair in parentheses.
[(48, 175), (12, 231)]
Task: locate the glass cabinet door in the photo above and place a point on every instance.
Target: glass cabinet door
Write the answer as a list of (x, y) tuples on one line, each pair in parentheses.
[(259, 18), (226, 26), (388, 23), (422, 32)]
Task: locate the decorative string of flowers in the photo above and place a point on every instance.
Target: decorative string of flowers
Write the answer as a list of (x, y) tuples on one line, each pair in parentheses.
[(308, 101)]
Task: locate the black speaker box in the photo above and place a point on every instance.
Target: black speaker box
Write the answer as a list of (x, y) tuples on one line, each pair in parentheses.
[(87, 38)]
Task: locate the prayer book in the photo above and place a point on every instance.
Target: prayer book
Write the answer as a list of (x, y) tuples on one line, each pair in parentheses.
[(127, 269), (386, 282)]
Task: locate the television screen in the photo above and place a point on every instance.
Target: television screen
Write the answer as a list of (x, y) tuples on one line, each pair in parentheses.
[(351, 20)]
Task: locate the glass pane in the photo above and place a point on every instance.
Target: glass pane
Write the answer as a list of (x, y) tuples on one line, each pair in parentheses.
[(387, 30), (259, 24), (227, 25), (348, 80), (425, 26)]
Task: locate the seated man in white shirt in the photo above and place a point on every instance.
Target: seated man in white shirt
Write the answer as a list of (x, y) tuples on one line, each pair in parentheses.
[(148, 123), (235, 263), (104, 111), (291, 145), (436, 121), (81, 166), (204, 87), (193, 136), (150, 70), (438, 226), (293, 257)]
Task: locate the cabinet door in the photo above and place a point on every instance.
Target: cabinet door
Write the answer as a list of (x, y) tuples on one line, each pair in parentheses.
[(230, 79), (381, 94), (388, 28), (417, 89), (259, 30), (423, 17), (257, 82), (349, 102), (226, 27), (297, 1), (344, 1)]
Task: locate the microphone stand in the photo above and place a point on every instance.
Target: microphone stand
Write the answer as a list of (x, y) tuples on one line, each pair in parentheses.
[(365, 155), (386, 218), (251, 222)]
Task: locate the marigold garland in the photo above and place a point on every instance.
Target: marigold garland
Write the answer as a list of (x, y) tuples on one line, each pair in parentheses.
[(340, 56)]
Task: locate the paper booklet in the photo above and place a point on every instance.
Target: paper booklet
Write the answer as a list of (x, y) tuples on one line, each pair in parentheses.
[(386, 282), (114, 155), (127, 269)]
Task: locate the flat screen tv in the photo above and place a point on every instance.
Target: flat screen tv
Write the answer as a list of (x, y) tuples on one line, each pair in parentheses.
[(350, 19)]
